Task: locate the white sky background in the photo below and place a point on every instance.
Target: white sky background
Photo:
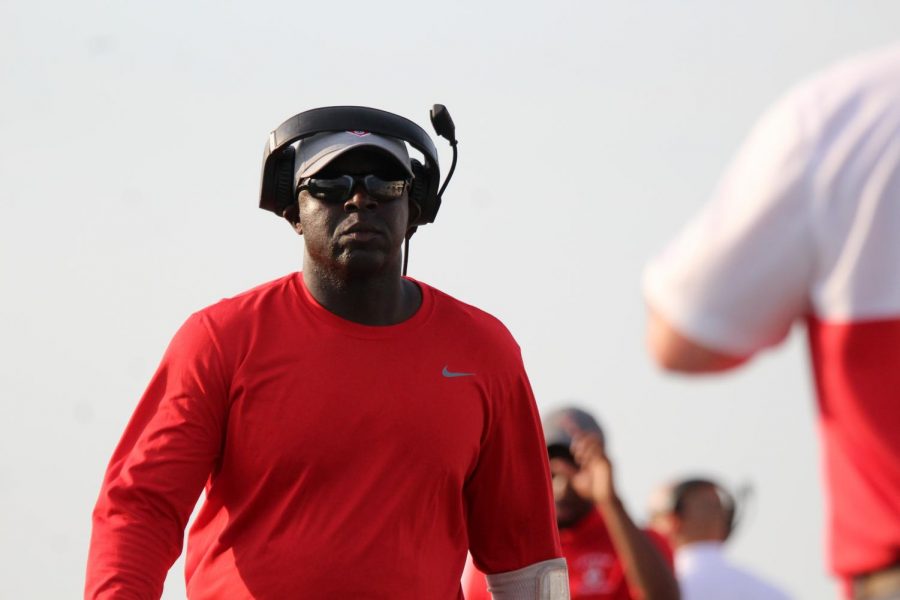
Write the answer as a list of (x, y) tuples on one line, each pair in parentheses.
[(130, 144)]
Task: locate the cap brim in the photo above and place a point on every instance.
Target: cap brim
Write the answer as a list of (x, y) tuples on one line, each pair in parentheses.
[(322, 161), (316, 152)]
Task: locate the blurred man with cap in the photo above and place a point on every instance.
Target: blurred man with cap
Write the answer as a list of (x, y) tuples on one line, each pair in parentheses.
[(356, 431), (803, 227), (609, 557), (697, 516)]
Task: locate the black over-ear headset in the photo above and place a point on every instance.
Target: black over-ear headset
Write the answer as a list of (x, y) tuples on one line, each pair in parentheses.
[(277, 187), (731, 505)]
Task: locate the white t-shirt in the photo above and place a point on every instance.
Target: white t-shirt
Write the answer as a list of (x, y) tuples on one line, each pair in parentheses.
[(704, 574), (806, 218)]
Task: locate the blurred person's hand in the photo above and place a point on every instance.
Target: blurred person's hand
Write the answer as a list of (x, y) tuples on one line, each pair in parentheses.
[(594, 480)]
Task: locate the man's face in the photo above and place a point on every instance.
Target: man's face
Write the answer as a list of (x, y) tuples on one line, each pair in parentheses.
[(570, 507), (702, 515), (362, 234)]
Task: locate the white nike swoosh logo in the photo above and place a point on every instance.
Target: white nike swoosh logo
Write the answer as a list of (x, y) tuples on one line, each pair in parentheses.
[(447, 373)]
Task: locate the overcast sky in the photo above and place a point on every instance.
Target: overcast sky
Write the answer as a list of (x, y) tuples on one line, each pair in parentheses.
[(130, 144)]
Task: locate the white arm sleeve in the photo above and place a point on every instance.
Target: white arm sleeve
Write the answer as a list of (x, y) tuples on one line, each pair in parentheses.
[(546, 580)]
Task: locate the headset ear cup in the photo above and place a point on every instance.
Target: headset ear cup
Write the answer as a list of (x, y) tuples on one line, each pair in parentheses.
[(284, 182), (731, 510), (418, 191)]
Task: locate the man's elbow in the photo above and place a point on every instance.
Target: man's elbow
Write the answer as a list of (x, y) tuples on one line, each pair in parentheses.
[(667, 357), (677, 353)]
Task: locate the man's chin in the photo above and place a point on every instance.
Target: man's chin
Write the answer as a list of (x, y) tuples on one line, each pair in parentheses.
[(567, 516), (360, 262)]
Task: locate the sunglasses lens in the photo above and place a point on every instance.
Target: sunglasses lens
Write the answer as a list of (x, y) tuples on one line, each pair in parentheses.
[(337, 189), (384, 190)]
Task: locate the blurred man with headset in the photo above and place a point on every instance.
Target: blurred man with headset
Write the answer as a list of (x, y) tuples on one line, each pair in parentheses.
[(698, 516), (356, 431), (805, 225)]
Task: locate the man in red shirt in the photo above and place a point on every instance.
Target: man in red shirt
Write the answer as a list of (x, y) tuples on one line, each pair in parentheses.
[(355, 431), (608, 557)]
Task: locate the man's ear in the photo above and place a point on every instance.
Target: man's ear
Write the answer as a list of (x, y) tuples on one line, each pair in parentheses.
[(292, 216), (415, 211)]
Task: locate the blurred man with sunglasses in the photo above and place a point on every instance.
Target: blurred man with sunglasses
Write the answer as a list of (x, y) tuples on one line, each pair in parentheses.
[(356, 431), (609, 557)]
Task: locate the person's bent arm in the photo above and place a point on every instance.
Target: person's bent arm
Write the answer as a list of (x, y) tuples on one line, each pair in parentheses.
[(741, 272), (645, 569), (510, 517), (157, 471), (675, 352)]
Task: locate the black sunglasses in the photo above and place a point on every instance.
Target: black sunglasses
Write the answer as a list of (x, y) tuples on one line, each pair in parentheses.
[(340, 189)]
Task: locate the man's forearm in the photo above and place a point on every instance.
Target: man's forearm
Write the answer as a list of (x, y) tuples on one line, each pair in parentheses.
[(674, 351), (645, 568), (547, 580), (128, 560)]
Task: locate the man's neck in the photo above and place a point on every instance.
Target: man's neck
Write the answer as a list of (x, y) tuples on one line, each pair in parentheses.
[(378, 299)]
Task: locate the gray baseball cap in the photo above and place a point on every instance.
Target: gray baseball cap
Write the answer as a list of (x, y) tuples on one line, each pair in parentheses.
[(316, 151), (561, 425)]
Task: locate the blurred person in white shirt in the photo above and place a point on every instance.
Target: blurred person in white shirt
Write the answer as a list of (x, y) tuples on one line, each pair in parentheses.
[(697, 516)]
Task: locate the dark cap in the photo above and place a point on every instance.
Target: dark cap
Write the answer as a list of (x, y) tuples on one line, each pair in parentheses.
[(562, 424)]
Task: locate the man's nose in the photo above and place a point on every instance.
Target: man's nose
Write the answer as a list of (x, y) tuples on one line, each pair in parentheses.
[(560, 486), (360, 199)]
